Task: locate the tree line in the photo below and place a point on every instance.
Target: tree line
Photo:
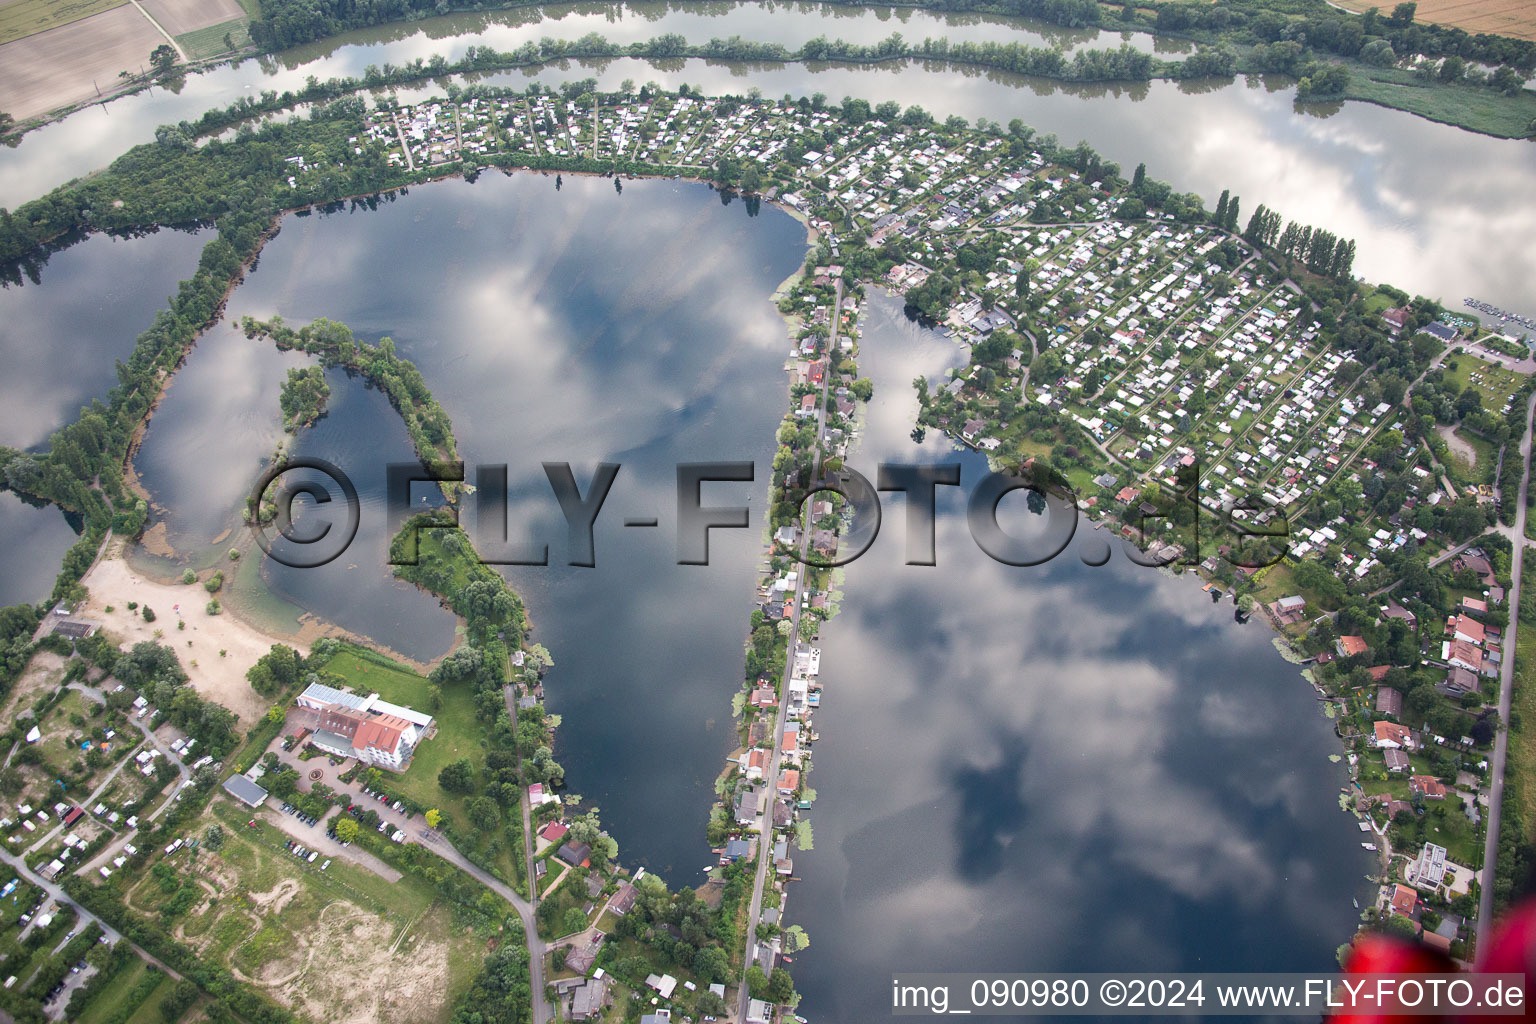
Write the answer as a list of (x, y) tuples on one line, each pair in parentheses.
[(1319, 250)]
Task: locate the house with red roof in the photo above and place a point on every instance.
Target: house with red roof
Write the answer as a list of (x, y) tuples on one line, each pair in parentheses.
[(1464, 627), (1426, 786), (1349, 646), (1393, 735)]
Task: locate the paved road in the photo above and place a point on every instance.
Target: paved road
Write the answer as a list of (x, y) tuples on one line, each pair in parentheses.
[(1516, 535), (771, 776), (62, 899)]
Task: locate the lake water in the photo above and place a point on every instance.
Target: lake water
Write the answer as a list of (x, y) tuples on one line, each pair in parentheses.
[(1021, 769), (1435, 210), (66, 317), (574, 326), (208, 442), (1062, 767), (1052, 768), (33, 546), (70, 317)]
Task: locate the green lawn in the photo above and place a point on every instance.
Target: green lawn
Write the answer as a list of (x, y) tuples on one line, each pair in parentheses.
[(1521, 769), (209, 42), (108, 1001), (1495, 382), (459, 734), (149, 1011)]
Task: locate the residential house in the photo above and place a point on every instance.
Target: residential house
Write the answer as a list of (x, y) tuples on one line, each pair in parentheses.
[(1426, 786), (1461, 654), (756, 763), (746, 807), (1349, 646), (1391, 734), (623, 900), (1429, 869), (588, 1000), (1389, 702), (1465, 628), (1458, 682), (1404, 900), (577, 855), (1397, 761)]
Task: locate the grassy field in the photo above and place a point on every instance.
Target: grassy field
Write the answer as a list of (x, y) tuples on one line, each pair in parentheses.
[(22, 18), (458, 735), (1498, 17), (149, 1011), (209, 42), (103, 1006), (1476, 108), (1495, 383)]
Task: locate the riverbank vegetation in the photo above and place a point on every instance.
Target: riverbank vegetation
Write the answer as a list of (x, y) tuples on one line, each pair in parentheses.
[(305, 390), (1440, 72), (303, 397)]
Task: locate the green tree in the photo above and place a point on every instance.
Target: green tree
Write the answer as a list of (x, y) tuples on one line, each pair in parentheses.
[(458, 777), (781, 987), (213, 837), (180, 999), (162, 58), (346, 829), (711, 964)]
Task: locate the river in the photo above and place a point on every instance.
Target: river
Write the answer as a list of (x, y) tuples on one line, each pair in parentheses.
[(1435, 210)]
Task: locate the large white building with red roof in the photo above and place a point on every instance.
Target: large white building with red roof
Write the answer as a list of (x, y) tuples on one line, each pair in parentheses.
[(372, 730)]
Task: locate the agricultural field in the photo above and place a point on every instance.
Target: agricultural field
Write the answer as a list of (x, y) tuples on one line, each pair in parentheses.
[(200, 26), (181, 16), (341, 945), (1499, 17), (66, 65), (22, 18)]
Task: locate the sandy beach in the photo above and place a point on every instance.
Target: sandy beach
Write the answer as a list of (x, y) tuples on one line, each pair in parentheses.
[(113, 583)]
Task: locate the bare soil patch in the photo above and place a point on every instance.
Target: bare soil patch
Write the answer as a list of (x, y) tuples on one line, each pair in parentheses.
[(43, 674), (179, 16), (66, 65), (1458, 444)]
